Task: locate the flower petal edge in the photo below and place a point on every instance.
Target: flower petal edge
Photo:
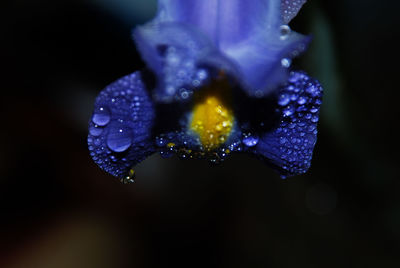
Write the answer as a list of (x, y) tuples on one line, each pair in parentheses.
[(289, 146), (120, 129)]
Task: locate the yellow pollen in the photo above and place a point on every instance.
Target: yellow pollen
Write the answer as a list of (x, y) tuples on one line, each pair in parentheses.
[(212, 117)]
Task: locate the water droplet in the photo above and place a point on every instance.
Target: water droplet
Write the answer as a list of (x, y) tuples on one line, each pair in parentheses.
[(250, 140), (285, 32), (286, 62), (314, 119), (288, 111), (101, 116), (160, 142), (202, 74), (97, 142), (95, 130), (283, 100), (196, 83), (311, 128), (184, 93), (282, 140), (301, 100), (119, 139), (311, 89)]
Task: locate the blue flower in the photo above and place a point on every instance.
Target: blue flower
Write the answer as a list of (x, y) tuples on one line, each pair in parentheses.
[(218, 82)]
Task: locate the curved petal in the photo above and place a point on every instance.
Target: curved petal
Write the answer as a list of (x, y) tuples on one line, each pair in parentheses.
[(120, 127), (244, 38), (223, 21), (191, 13), (288, 146), (290, 8), (263, 60), (180, 56)]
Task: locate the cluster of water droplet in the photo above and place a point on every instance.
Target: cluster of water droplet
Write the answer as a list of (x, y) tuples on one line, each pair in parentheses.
[(290, 8), (188, 146), (299, 105), (103, 156), (181, 77), (121, 120)]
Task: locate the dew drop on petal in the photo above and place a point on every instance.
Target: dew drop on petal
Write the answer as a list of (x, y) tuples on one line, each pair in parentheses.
[(119, 139), (101, 116), (250, 140), (314, 119), (283, 100), (160, 141), (202, 74), (282, 140), (301, 101), (288, 111), (284, 32), (286, 62), (95, 130)]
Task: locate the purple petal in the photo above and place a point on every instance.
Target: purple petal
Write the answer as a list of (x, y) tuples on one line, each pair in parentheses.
[(289, 145), (244, 38), (223, 22), (120, 127), (260, 60), (180, 56), (290, 8)]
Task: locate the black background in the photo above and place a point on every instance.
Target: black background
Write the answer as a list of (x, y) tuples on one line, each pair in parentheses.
[(58, 209)]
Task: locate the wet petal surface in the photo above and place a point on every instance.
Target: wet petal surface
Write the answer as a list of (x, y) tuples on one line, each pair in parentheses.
[(121, 124), (290, 8), (246, 39), (289, 145), (182, 58), (261, 59), (224, 22)]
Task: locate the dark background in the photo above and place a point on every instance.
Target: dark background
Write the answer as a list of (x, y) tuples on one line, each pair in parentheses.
[(58, 209)]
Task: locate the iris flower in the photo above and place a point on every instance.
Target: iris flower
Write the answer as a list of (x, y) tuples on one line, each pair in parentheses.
[(218, 81)]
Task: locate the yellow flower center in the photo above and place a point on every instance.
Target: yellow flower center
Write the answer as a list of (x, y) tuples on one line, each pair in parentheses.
[(212, 117)]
